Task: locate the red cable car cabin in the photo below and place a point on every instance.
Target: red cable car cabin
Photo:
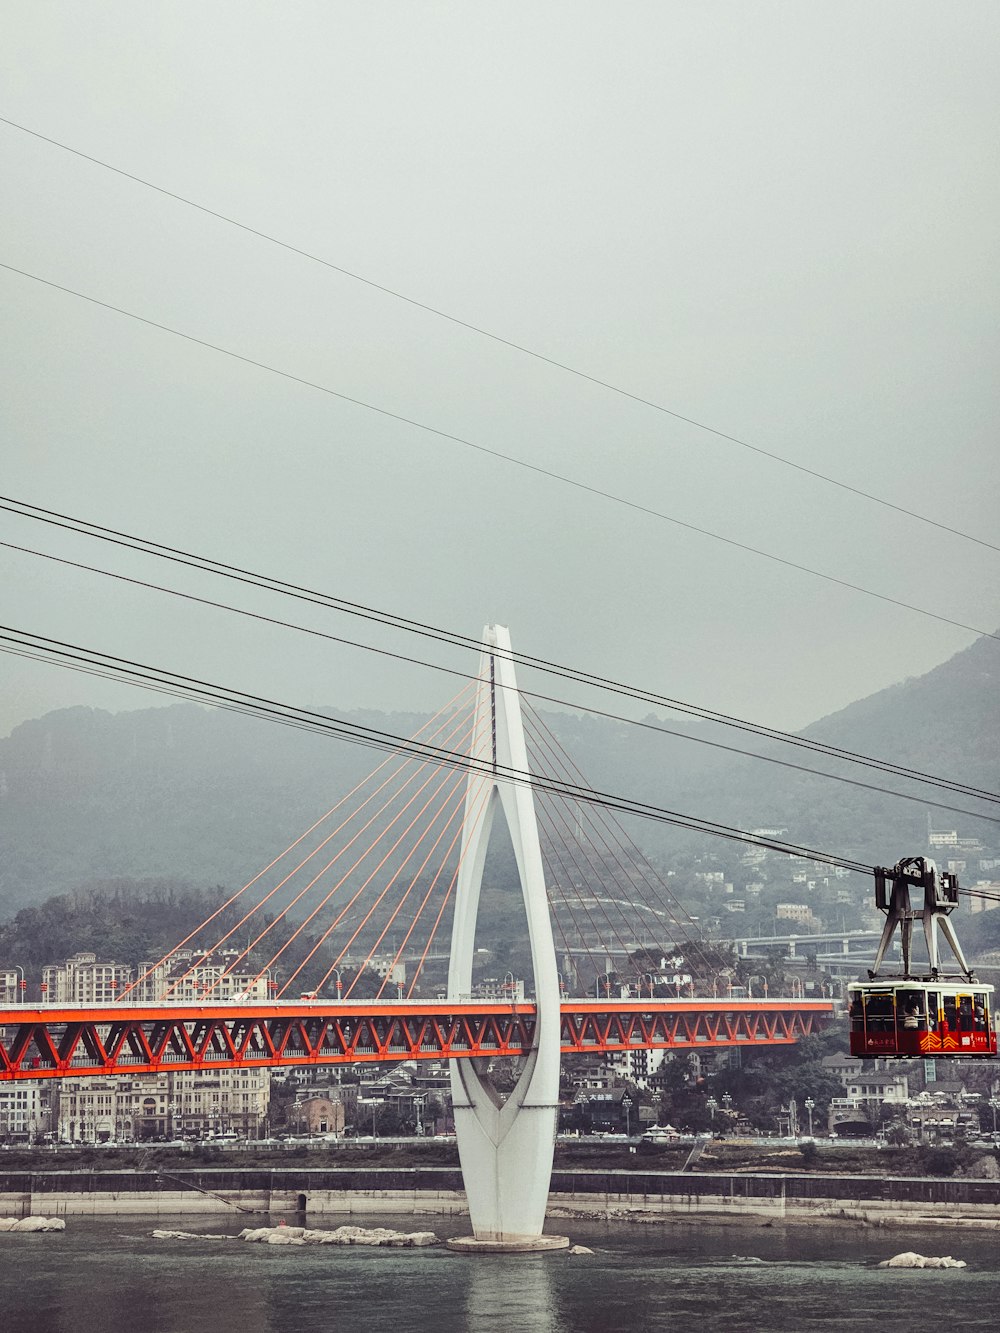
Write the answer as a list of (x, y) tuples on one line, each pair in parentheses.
[(921, 1018)]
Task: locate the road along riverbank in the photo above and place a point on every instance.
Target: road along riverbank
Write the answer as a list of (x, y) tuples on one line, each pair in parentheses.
[(596, 1194)]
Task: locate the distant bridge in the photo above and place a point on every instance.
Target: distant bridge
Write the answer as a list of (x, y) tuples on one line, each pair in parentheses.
[(850, 941)]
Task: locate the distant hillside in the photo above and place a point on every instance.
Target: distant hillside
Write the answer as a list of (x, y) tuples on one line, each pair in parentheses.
[(209, 797), (945, 723)]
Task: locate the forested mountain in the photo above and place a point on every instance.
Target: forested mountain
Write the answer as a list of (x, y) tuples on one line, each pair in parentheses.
[(184, 792)]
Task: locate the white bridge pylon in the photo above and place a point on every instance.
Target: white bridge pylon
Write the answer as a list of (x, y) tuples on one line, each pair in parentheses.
[(505, 1146)]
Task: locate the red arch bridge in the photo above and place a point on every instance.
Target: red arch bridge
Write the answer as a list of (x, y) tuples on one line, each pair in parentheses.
[(59, 1042)]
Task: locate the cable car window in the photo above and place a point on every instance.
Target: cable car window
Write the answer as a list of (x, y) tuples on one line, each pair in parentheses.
[(912, 1007), (965, 1013), (880, 1012), (950, 1013), (979, 1013), (856, 1012), (933, 1003)]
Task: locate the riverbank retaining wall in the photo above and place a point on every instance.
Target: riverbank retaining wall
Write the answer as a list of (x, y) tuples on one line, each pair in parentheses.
[(438, 1190)]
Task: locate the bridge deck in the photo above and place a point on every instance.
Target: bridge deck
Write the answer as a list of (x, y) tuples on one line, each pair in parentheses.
[(122, 1039)]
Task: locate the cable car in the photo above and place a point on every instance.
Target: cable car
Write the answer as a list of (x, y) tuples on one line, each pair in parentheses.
[(921, 1018), (931, 1015)]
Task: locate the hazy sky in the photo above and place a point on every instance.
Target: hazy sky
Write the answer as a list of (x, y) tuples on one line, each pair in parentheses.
[(780, 220)]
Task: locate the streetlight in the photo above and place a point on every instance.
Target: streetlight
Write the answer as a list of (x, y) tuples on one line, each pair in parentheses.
[(727, 1102), (713, 1106), (627, 1108), (809, 1105)]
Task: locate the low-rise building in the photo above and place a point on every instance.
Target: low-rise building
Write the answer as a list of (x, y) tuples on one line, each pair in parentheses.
[(317, 1112)]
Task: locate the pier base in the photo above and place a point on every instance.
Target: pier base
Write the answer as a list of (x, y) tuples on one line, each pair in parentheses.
[(506, 1244)]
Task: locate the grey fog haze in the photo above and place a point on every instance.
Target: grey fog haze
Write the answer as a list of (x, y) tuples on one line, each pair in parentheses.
[(778, 220)]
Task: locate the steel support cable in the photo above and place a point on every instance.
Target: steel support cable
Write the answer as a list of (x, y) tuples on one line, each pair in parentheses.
[(560, 876), (452, 639), (445, 717), (435, 775), (369, 850), (481, 332), (557, 920), (371, 738), (413, 887), (554, 751), (599, 817), (644, 724), (985, 897), (271, 864), (671, 905), (355, 813), (565, 844), (484, 450), (631, 922), (476, 807), (462, 808), (448, 807), (570, 840)]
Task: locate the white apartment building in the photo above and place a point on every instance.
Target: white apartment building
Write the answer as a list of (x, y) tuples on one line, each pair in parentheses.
[(94, 1110), (83, 980), (221, 1101), (189, 975), (185, 1103), (12, 985), (25, 1110)]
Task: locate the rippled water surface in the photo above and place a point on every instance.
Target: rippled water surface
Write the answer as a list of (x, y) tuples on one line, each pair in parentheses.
[(110, 1274)]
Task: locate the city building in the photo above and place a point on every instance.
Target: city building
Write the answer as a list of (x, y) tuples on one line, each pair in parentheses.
[(316, 1112), (12, 985), (221, 1101), (83, 980), (801, 913), (189, 975), (179, 1104), (25, 1111), (122, 1110)]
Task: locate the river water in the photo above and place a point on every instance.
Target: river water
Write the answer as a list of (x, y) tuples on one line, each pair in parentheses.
[(105, 1274)]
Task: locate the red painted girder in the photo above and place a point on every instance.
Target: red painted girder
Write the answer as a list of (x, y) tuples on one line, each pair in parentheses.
[(123, 1039)]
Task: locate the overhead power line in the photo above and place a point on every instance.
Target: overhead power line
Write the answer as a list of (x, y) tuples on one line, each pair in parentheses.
[(75, 656), (530, 694), (535, 468), (502, 341), (464, 641), (207, 564)]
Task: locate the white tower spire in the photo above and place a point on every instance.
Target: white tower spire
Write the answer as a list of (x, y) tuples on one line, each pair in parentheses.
[(505, 1147)]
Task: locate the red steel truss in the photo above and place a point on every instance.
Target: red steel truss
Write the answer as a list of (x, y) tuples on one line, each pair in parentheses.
[(61, 1042)]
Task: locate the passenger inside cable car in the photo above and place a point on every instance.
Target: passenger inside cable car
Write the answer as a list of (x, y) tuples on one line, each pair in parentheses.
[(909, 1018)]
